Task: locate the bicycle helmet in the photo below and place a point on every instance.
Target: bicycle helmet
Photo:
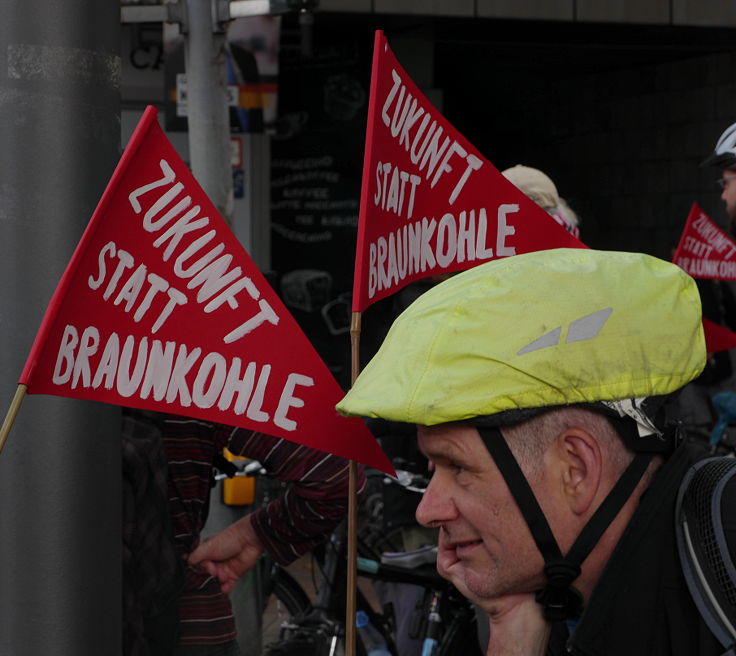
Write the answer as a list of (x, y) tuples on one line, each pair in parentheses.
[(548, 328), (514, 337), (724, 154)]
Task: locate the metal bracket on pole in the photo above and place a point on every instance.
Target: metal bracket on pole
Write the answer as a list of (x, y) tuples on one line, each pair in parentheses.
[(223, 11), (166, 13), (221, 15), (241, 8)]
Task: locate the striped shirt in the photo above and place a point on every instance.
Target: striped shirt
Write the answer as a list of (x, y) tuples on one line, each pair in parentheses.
[(289, 526)]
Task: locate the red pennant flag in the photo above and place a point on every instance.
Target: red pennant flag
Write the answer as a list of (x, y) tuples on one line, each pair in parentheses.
[(430, 202), (705, 251), (717, 337), (160, 308)]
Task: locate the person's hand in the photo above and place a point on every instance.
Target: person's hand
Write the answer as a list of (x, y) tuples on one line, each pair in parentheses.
[(517, 626), (229, 554)]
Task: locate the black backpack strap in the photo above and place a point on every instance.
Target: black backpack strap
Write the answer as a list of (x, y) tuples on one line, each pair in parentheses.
[(703, 544)]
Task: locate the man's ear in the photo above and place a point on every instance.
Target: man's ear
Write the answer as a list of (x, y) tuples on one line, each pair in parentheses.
[(581, 466)]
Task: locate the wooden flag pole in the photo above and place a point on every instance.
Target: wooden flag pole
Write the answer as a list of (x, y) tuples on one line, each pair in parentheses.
[(352, 557), (20, 392)]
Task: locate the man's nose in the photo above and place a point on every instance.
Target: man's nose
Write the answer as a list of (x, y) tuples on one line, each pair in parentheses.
[(436, 506)]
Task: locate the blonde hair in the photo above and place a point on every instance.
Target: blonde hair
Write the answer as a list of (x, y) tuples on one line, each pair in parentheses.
[(567, 213)]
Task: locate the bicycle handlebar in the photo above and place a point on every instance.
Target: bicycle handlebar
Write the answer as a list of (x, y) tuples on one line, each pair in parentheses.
[(245, 468), (408, 480)]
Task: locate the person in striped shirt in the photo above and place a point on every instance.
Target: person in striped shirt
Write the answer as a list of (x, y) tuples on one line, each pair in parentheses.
[(289, 526)]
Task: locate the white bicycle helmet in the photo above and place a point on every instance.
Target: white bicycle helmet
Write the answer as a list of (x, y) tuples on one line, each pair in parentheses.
[(724, 154)]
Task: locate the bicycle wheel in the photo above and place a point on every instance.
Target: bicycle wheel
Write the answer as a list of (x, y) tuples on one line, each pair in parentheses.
[(300, 630), (373, 540), (284, 603)]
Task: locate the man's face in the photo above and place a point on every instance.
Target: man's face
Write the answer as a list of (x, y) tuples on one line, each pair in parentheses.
[(485, 547), (728, 195)]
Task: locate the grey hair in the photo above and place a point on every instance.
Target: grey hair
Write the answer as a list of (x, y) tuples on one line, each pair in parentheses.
[(529, 440)]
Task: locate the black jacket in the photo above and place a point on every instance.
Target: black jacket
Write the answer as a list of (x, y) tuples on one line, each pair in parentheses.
[(641, 605)]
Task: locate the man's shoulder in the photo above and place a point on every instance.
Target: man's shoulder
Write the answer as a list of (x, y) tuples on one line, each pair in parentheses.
[(642, 597)]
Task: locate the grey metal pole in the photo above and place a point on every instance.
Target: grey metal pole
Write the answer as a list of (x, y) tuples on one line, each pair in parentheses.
[(60, 519), (207, 104), (252, 223), (209, 152)]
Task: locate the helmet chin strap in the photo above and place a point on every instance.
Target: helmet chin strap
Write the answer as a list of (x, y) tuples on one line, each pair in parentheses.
[(561, 601)]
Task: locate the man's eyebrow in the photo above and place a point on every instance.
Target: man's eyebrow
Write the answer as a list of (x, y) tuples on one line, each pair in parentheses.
[(444, 450)]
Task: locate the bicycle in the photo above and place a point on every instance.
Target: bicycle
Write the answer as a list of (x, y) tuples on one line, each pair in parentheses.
[(280, 595), (443, 620)]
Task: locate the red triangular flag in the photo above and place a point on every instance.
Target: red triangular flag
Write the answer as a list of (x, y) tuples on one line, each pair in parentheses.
[(430, 202), (160, 308), (717, 337), (705, 251)]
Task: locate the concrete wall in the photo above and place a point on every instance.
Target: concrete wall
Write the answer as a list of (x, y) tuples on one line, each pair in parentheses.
[(715, 13)]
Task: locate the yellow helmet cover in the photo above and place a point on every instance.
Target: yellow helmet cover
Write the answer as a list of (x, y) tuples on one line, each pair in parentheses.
[(547, 328)]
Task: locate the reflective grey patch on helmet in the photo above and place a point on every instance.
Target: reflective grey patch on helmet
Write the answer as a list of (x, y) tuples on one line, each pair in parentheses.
[(548, 339), (588, 327)]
